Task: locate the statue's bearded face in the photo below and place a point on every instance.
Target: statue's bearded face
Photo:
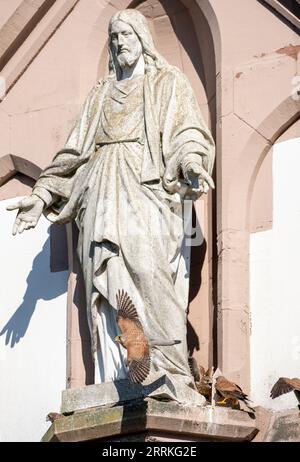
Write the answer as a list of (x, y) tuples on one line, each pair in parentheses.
[(125, 44)]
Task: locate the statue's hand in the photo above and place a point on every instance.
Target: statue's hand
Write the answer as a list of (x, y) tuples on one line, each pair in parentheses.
[(30, 210), (198, 179)]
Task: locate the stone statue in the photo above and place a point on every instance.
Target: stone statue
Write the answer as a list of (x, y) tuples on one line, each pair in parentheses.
[(138, 144)]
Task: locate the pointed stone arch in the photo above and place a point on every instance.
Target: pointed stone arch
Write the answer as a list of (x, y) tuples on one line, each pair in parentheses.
[(258, 146), (234, 317), (186, 21)]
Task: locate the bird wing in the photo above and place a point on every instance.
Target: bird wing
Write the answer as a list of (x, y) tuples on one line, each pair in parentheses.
[(127, 316), (295, 383), (139, 369), (202, 371), (138, 357), (297, 394), (282, 386), (126, 309), (138, 351), (204, 389), (210, 372), (225, 386)]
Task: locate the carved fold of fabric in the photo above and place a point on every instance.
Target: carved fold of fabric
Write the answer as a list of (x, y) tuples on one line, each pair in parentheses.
[(130, 238), (110, 177), (170, 134)]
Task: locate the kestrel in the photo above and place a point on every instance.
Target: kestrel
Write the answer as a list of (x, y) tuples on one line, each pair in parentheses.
[(203, 380), (285, 385), (231, 391), (134, 340)]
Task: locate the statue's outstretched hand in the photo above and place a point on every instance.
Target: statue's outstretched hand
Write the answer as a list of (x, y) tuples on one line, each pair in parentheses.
[(198, 179), (30, 210)]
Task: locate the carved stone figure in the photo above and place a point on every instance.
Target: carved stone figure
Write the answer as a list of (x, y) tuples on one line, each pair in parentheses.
[(138, 144)]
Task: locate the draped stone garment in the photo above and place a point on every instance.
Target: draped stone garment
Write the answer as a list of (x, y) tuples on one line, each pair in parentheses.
[(112, 177), (130, 238)]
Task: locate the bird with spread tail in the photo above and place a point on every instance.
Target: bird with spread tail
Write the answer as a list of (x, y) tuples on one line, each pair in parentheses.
[(231, 391), (286, 385), (134, 340), (202, 378)]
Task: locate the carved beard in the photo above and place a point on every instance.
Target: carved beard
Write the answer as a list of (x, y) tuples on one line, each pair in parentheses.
[(129, 58)]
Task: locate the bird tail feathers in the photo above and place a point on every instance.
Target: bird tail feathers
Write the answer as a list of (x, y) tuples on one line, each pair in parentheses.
[(244, 406), (161, 342)]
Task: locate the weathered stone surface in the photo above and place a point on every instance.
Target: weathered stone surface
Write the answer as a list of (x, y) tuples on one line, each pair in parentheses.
[(153, 420), (285, 427), (255, 78), (123, 390), (166, 420), (130, 106)]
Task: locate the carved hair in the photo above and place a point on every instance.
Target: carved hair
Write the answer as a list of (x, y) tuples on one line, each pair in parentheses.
[(139, 24)]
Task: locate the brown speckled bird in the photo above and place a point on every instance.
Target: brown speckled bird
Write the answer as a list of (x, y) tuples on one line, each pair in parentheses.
[(285, 385), (231, 391), (134, 340), (203, 380)]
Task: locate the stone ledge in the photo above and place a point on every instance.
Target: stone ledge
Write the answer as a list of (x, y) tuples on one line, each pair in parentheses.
[(168, 419), (122, 391)]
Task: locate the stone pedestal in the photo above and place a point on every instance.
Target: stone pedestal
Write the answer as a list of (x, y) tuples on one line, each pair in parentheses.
[(123, 391), (122, 411)]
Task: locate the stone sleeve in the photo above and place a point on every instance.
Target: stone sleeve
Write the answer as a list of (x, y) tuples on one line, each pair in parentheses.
[(43, 194)]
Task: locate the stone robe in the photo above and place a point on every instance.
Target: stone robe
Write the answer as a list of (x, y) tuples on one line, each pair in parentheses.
[(113, 177)]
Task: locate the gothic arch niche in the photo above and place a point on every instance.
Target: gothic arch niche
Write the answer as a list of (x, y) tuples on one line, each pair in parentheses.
[(187, 43), (183, 36), (188, 36), (243, 218), (273, 267)]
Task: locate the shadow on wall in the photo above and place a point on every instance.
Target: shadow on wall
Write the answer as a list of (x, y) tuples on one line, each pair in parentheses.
[(197, 261), (38, 288)]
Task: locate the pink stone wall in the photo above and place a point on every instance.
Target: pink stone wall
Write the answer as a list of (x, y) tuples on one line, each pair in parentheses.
[(7, 8), (255, 106)]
